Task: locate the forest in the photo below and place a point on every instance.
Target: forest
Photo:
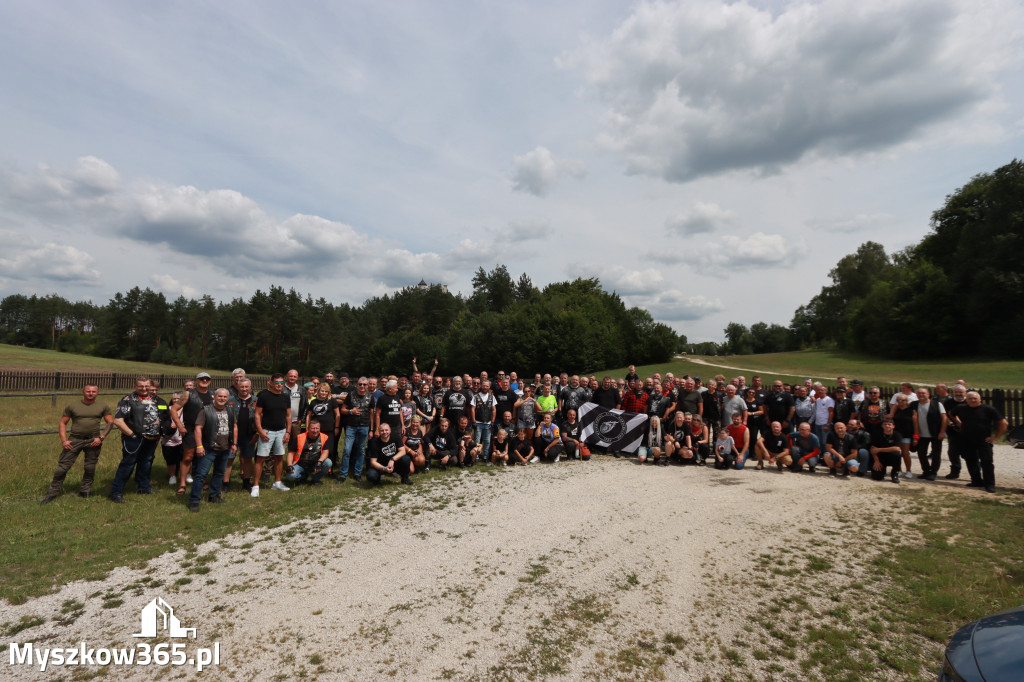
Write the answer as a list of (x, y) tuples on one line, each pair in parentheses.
[(573, 326)]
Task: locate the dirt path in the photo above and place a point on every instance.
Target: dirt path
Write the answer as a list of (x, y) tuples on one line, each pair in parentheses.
[(595, 570), (701, 361)]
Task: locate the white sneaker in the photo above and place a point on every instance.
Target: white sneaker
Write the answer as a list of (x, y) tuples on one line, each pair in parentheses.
[(558, 458), (173, 480), (255, 492), (908, 474), (279, 486), (188, 479), (534, 459)]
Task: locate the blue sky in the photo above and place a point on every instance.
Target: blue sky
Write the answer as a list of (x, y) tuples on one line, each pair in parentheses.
[(708, 161)]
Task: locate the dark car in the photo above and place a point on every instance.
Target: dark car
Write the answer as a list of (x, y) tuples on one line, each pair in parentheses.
[(991, 649)]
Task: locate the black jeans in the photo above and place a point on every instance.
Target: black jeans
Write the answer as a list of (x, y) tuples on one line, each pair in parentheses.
[(955, 449), (889, 460), (979, 452), (929, 465)]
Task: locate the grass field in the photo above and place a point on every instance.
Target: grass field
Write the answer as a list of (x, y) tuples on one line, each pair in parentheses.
[(826, 365), (19, 357)]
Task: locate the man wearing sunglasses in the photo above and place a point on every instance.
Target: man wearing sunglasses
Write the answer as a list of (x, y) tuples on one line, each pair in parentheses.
[(198, 398)]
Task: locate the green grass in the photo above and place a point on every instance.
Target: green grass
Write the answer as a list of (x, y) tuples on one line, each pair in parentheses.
[(827, 364), (74, 538), (21, 358)]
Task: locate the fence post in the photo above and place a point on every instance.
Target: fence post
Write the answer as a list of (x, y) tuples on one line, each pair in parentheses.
[(999, 400), (163, 383), (53, 400), (56, 381), (113, 380)]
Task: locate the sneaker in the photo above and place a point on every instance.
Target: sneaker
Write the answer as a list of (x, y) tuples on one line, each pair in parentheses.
[(908, 474), (278, 485), (406, 481), (832, 471), (895, 478), (173, 480), (760, 465), (812, 469), (557, 459), (188, 479), (194, 507), (929, 477), (952, 476), (255, 491), (426, 469), (534, 459)]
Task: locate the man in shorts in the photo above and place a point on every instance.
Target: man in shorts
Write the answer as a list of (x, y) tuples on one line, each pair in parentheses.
[(85, 417), (841, 451), (273, 422)]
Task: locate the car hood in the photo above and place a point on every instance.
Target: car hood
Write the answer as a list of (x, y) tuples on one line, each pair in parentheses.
[(993, 645)]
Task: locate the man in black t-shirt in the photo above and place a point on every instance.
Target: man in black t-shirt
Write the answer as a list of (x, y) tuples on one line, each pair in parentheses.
[(387, 455), (273, 421), (780, 406), (774, 447), (607, 395), (953, 434), (388, 410), (456, 401), (841, 451), (571, 397), (198, 398), (886, 448), (358, 410), (504, 401), (977, 422), (243, 404)]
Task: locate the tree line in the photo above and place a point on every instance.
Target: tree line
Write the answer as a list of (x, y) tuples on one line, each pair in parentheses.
[(958, 292), (573, 325)]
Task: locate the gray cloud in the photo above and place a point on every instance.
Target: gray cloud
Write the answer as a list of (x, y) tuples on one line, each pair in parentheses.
[(702, 87), (24, 258), (537, 171), (702, 218)]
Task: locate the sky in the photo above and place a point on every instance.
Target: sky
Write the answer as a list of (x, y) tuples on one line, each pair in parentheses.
[(708, 161)]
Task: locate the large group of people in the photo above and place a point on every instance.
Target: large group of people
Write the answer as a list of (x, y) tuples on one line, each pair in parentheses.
[(333, 426)]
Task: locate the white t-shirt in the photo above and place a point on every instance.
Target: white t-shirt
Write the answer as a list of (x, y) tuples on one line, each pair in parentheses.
[(922, 418), (910, 398), (821, 407)]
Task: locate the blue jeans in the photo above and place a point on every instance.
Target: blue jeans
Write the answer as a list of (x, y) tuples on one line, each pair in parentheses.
[(136, 453), (354, 435), (482, 435), (218, 461), (864, 459), (821, 431), (300, 473)]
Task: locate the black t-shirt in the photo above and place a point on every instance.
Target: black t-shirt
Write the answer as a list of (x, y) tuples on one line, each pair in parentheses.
[(712, 405), (243, 417), (500, 447), (275, 408), (778, 403), (381, 451), (776, 444), (322, 411), (571, 398), (521, 445), (904, 420), (657, 405), (413, 440), (364, 403), (389, 409), (571, 430), (606, 397), (978, 422), (504, 401), (844, 446), (441, 440), (425, 404), (456, 403), (880, 440)]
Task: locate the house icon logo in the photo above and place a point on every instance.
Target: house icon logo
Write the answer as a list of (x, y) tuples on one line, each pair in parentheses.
[(158, 615)]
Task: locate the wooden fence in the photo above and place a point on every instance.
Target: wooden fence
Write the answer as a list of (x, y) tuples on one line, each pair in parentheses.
[(63, 382)]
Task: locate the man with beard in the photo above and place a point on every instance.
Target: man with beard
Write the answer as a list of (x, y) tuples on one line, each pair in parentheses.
[(198, 398), (571, 397), (243, 405), (138, 419), (388, 410), (358, 409), (456, 401)]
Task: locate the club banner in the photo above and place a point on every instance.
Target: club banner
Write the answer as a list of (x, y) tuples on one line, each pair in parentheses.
[(615, 430)]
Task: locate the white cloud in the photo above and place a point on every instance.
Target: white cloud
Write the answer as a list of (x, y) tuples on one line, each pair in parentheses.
[(699, 87), (672, 305), (173, 288), (757, 250), (702, 218), (626, 281), (537, 171), (24, 258), (854, 223)]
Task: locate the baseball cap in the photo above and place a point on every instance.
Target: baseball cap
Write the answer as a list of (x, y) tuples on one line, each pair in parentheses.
[(203, 375)]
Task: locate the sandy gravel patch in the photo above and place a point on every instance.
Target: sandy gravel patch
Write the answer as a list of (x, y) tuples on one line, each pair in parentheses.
[(595, 570)]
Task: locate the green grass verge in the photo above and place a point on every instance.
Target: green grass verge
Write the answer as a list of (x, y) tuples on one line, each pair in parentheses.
[(21, 358), (826, 364), (75, 539)]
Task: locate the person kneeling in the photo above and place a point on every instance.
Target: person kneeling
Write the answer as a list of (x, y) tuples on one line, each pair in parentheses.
[(654, 445), (725, 450), (387, 456), (310, 456), (841, 451)]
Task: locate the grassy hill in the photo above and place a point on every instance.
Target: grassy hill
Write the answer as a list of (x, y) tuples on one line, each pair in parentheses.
[(826, 365), (21, 358)]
